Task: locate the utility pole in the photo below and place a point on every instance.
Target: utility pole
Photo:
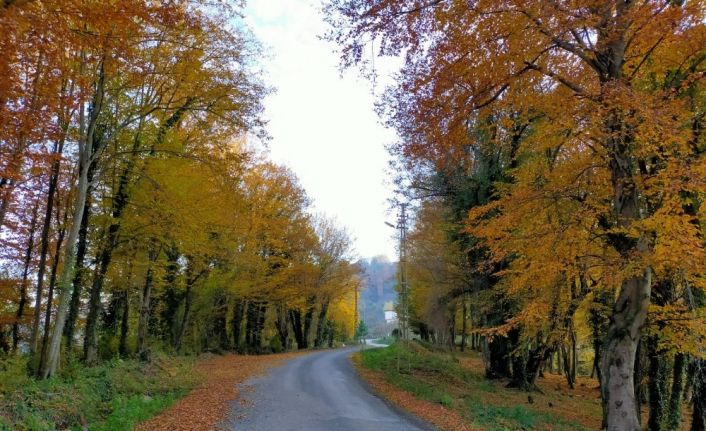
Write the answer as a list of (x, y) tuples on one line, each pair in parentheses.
[(402, 269), (404, 287)]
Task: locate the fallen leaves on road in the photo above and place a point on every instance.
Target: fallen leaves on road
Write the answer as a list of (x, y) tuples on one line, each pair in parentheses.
[(204, 408), (433, 413)]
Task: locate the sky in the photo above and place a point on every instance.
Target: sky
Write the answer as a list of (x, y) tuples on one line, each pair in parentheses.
[(323, 124)]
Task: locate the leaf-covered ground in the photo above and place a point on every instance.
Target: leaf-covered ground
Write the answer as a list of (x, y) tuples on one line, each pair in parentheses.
[(206, 407), (450, 392)]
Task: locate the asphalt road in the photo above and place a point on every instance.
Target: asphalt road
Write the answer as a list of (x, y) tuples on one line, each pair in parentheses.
[(316, 392)]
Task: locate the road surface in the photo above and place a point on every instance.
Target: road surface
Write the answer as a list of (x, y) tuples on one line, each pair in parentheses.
[(316, 392)]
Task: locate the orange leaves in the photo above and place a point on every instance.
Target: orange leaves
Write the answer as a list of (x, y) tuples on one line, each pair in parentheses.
[(678, 328), (206, 407)]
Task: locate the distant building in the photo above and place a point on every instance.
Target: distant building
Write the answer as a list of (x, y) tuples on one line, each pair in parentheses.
[(390, 313)]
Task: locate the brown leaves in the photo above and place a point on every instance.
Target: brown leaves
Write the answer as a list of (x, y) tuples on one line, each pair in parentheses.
[(204, 408), (433, 413)]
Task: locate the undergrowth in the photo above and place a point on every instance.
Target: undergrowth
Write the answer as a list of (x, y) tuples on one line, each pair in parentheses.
[(113, 396)]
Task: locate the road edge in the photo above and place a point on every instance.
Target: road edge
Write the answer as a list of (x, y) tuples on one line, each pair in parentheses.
[(410, 416)]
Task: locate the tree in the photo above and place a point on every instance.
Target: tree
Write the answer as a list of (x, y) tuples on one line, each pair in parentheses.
[(612, 156)]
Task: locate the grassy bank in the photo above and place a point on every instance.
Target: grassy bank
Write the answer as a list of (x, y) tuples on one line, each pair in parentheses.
[(384, 340), (111, 397), (455, 384)]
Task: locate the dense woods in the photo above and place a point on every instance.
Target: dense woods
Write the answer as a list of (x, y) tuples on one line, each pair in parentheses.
[(138, 212), (555, 156)]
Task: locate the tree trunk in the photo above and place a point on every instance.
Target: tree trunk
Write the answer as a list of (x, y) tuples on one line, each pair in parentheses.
[(675, 399), (496, 355), (81, 270), (237, 322), (124, 324), (331, 333), (295, 316), (50, 295), (698, 397), (219, 315), (90, 341), (618, 361), (142, 351), (171, 298), (25, 276), (188, 298), (283, 326), (86, 154), (320, 339), (44, 240), (464, 327), (657, 385), (308, 319)]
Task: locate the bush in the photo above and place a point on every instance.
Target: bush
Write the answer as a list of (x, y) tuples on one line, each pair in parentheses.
[(276, 344)]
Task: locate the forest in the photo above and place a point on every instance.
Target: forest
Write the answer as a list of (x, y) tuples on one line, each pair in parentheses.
[(138, 210), (553, 152)]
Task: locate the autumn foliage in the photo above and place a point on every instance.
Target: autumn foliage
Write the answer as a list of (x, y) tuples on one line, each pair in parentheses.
[(556, 152), (138, 210)]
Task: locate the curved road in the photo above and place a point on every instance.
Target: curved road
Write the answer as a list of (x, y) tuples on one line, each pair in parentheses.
[(316, 392)]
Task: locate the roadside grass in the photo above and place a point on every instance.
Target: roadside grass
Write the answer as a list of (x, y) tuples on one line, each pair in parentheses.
[(384, 340), (456, 381), (111, 397)]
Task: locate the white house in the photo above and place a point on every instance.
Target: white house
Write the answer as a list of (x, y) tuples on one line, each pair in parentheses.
[(390, 313)]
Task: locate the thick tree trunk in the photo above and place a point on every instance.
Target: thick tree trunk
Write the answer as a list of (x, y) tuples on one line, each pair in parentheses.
[(621, 344), (25, 277), (295, 316), (496, 355)]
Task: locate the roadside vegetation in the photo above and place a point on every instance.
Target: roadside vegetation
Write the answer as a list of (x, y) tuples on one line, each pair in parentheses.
[(456, 382), (113, 396)]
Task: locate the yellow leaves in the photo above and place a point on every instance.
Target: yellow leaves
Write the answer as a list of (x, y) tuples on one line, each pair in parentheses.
[(678, 328)]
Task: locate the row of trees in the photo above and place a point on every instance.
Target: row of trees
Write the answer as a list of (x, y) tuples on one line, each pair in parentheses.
[(556, 153), (133, 211)]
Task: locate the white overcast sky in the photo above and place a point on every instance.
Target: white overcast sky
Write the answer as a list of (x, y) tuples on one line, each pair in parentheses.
[(322, 124)]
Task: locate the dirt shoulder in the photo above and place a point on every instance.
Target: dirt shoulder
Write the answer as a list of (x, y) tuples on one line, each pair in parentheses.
[(207, 405)]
